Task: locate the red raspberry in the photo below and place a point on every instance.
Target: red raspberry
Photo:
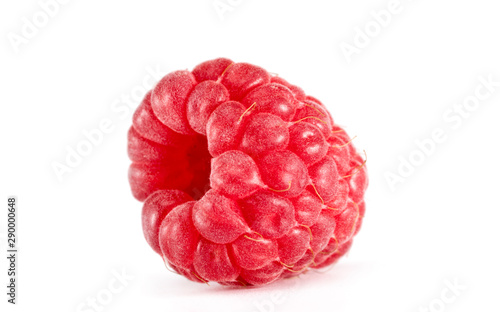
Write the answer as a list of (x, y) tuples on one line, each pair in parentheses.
[(244, 178)]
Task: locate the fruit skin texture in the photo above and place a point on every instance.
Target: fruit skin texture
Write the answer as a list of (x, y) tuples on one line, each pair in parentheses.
[(245, 179)]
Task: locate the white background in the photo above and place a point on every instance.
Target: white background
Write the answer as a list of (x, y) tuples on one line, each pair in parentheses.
[(438, 226)]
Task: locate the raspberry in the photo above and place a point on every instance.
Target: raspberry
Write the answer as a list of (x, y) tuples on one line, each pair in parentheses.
[(245, 179)]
